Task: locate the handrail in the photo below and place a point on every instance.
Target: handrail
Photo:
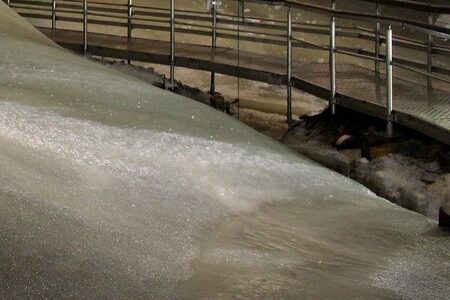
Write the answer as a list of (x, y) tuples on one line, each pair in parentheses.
[(302, 27), (313, 45), (420, 6), (250, 29), (416, 25), (119, 13), (162, 9), (415, 5), (308, 28), (420, 72), (353, 54)]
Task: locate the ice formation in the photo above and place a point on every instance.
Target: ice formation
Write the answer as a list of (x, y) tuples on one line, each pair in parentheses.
[(112, 188)]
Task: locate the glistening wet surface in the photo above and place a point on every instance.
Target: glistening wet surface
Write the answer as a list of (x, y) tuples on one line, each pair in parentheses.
[(304, 249), (111, 188)]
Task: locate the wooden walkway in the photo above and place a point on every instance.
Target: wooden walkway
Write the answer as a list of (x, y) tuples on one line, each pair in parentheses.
[(358, 89)]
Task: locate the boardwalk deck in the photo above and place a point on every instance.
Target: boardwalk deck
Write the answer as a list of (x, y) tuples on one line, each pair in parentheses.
[(359, 89)]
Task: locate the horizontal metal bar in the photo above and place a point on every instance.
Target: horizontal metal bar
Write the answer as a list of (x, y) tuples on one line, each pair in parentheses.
[(440, 78), (401, 60), (313, 45), (419, 26), (414, 5), (353, 54), (167, 9), (37, 3), (106, 15), (104, 3)]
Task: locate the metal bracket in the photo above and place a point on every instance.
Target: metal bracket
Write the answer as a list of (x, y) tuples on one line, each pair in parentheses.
[(213, 4), (335, 100)]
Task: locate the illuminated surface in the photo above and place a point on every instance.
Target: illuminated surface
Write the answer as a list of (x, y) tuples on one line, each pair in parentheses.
[(113, 188)]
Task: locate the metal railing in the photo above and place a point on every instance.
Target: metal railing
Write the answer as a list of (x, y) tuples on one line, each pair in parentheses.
[(216, 25), (289, 66)]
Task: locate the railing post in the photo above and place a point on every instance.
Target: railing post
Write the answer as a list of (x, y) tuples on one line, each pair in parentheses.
[(85, 27), (130, 22), (53, 16), (332, 60), (8, 2), (172, 43), (389, 92), (289, 67), (213, 3), (377, 39), (130, 18), (242, 9), (430, 54)]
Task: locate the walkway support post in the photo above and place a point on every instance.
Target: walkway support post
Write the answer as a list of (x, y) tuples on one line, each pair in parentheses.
[(53, 16), (130, 18), (377, 38), (389, 92), (213, 3), (130, 22), (430, 54), (172, 43), (9, 2), (332, 61), (289, 67), (85, 27)]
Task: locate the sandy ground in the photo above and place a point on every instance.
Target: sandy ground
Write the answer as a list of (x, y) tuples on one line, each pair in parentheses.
[(417, 179)]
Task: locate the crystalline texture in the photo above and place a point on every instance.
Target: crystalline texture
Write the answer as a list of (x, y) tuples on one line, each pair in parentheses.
[(112, 188)]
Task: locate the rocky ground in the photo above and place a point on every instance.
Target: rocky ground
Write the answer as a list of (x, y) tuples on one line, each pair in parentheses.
[(411, 170)]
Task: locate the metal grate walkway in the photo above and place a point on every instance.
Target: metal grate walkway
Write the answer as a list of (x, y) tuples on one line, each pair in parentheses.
[(359, 89)]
